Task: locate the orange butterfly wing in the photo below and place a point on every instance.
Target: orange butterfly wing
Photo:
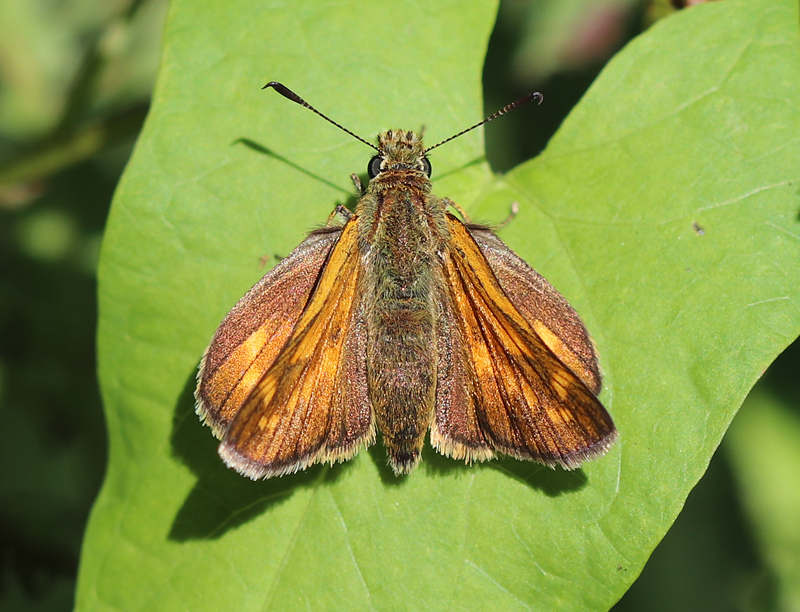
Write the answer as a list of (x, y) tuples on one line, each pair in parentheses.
[(312, 404), (552, 317), (250, 337), (501, 387)]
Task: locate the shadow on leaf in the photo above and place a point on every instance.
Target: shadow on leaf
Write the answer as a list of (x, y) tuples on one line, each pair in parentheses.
[(551, 482), (474, 162), (259, 148), (222, 499)]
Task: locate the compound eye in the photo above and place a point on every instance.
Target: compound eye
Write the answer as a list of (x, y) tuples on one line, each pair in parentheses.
[(426, 166), (374, 166)]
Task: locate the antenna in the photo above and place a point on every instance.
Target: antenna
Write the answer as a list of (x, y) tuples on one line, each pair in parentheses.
[(288, 93), (521, 102)]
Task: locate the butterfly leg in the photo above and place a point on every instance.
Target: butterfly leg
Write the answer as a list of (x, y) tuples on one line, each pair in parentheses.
[(513, 213), (448, 202), (357, 183), (340, 211)]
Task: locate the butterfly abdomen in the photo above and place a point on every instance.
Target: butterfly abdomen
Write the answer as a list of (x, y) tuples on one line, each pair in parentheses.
[(401, 368)]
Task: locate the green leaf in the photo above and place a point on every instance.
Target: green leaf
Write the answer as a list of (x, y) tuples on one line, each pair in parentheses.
[(764, 446), (665, 209)]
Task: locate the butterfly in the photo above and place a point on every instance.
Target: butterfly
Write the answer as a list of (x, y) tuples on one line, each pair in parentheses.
[(401, 318)]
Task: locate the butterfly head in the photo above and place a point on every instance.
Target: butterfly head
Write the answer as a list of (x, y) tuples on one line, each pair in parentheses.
[(399, 150)]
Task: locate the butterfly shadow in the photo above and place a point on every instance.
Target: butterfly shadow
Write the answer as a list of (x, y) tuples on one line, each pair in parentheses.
[(551, 482), (476, 161), (222, 499), (352, 198), (432, 463), (261, 149)]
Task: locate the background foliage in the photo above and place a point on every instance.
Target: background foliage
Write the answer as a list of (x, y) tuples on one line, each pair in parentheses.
[(198, 210)]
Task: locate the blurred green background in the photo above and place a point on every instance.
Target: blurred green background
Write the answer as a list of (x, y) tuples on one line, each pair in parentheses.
[(75, 80)]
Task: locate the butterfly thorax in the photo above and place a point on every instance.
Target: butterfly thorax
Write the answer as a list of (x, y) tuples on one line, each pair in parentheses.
[(403, 234), (402, 226)]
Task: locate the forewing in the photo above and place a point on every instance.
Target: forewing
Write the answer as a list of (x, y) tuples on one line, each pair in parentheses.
[(252, 334), (312, 404), (522, 399), (551, 316)]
